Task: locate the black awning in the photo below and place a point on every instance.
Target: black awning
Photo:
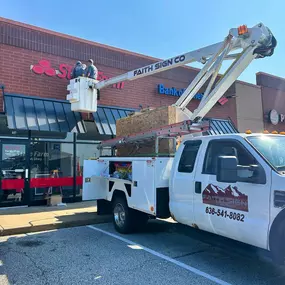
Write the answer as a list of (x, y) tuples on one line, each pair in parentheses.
[(220, 126), (38, 114), (106, 118)]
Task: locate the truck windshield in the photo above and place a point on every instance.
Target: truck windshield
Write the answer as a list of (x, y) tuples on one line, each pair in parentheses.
[(272, 148)]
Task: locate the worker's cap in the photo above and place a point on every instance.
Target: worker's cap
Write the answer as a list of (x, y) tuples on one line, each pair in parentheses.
[(78, 62), (90, 60)]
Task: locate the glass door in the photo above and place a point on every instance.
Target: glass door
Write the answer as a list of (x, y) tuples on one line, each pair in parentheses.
[(14, 176)]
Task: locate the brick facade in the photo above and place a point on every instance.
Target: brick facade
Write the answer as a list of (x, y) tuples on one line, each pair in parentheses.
[(22, 46)]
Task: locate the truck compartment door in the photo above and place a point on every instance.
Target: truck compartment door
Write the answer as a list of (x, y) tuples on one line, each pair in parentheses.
[(94, 186), (143, 190)]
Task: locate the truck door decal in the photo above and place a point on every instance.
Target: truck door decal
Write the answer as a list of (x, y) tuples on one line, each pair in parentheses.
[(230, 197)]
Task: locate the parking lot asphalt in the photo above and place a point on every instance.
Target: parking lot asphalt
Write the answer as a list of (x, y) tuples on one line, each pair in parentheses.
[(165, 253)]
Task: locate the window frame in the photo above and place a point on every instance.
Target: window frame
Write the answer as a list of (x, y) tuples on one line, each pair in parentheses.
[(240, 144), (196, 143)]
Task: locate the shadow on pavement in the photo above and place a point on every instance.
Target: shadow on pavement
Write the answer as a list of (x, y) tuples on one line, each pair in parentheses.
[(30, 259)]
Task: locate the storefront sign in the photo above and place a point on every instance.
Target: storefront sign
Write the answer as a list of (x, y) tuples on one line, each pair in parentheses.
[(13, 151), (161, 89), (275, 118), (38, 155), (64, 71)]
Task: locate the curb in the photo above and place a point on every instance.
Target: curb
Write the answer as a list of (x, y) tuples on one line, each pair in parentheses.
[(58, 225)]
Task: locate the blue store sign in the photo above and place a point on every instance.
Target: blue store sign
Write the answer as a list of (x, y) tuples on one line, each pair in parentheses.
[(175, 92)]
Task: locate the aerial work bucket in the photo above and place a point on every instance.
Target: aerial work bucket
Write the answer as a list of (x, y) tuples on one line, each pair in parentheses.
[(82, 96)]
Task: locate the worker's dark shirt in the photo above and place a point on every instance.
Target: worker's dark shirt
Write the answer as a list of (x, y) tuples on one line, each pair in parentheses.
[(77, 71), (92, 71)]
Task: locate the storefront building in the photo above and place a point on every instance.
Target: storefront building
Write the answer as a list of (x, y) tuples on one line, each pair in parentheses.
[(43, 143)]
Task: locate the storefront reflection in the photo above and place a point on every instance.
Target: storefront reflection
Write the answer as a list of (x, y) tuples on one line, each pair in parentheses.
[(51, 169), (13, 171), (32, 171)]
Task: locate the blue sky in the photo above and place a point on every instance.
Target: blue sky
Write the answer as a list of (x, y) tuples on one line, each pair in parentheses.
[(159, 28)]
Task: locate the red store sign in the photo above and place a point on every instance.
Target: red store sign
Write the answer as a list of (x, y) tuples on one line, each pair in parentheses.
[(64, 71)]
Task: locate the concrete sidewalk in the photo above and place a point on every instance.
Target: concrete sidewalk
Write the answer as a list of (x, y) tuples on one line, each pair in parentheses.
[(32, 219)]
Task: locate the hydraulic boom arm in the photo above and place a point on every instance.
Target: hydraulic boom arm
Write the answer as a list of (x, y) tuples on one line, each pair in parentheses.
[(252, 43)]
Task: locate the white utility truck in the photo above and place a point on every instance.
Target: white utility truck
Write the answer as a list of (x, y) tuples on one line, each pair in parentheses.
[(231, 185)]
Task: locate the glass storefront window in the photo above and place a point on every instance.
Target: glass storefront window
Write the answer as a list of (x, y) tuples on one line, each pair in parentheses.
[(51, 165), (13, 166), (30, 170)]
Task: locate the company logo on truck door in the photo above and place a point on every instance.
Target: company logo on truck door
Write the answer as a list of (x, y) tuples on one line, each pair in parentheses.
[(158, 65), (229, 197)]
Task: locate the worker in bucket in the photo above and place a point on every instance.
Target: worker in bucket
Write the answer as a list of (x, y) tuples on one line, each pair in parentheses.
[(92, 71), (84, 68), (77, 70)]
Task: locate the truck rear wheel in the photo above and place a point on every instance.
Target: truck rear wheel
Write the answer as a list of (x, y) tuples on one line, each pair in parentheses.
[(123, 219)]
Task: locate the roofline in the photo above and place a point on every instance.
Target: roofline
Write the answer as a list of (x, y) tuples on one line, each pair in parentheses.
[(248, 83), (70, 37), (270, 75), (67, 36)]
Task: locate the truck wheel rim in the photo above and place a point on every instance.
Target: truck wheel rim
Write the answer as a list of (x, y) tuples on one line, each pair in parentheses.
[(119, 215)]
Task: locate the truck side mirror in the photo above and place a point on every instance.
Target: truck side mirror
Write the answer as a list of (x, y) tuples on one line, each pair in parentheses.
[(227, 169)]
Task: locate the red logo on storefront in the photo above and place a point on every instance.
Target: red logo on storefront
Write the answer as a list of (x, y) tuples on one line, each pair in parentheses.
[(64, 71), (43, 67)]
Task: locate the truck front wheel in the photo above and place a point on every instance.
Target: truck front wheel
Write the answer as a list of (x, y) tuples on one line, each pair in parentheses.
[(277, 246), (122, 216)]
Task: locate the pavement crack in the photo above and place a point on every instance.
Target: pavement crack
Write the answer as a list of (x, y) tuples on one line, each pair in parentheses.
[(43, 272), (189, 254)]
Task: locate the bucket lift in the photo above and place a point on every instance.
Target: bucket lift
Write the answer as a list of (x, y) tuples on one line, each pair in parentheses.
[(255, 42), (82, 96)]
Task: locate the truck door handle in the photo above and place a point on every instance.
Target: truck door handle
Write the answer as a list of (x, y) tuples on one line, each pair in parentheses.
[(198, 187)]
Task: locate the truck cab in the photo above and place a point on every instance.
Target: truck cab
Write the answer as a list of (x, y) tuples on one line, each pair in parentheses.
[(233, 186)]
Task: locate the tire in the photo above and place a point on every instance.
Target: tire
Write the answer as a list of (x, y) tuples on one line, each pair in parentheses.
[(277, 248), (123, 219)]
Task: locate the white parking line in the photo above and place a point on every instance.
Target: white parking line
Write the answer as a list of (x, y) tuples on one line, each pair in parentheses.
[(167, 258)]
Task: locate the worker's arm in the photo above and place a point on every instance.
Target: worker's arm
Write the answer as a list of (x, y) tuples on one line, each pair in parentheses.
[(95, 72), (88, 71), (73, 73)]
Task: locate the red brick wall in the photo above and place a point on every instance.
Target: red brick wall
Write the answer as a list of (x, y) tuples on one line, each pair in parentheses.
[(17, 77)]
